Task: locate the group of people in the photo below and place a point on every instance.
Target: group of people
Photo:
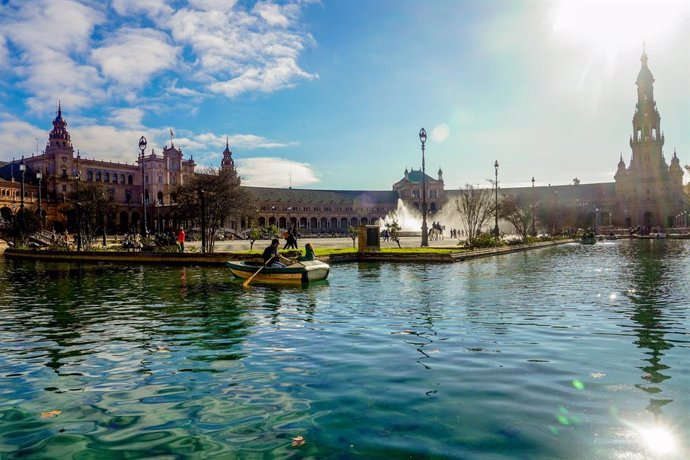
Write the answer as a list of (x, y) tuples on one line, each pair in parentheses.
[(272, 258), (291, 238)]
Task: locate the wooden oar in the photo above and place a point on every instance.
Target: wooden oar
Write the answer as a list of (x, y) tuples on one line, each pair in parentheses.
[(249, 280)]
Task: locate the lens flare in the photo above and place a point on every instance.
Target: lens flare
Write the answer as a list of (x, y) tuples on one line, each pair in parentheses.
[(659, 440)]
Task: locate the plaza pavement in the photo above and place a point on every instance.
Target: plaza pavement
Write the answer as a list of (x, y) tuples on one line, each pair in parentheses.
[(330, 243)]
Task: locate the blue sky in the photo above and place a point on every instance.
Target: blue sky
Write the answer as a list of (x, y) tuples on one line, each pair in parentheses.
[(332, 94)]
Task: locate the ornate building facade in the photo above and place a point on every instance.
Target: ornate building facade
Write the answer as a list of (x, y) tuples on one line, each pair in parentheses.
[(648, 192)]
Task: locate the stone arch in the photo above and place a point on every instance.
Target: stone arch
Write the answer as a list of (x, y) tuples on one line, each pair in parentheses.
[(124, 222), (282, 222), (262, 221), (271, 220), (303, 222), (324, 222), (354, 222), (6, 213), (648, 219), (136, 222), (343, 223), (313, 223), (364, 221), (334, 223)]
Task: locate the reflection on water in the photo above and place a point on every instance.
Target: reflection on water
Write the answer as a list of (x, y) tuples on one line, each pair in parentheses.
[(554, 353), (654, 263)]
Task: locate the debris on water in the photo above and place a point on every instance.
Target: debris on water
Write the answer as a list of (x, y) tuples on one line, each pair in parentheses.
[(298, 441)]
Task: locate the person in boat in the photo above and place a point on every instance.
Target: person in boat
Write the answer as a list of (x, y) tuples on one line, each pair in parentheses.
[(308, 253), (272, 257)]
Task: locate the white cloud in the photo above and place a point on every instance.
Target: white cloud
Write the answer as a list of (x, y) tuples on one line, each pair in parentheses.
[(213, 5), (107, 143), (244, 51), (135, 55), (74, 50), (46, 35), (212, 145), (4, 55), (275, 172), (18, 137), (127, 117), (153, 8), (271, 13), (279, 75)]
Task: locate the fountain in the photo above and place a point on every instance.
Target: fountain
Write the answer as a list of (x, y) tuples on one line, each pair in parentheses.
[(410, 219)]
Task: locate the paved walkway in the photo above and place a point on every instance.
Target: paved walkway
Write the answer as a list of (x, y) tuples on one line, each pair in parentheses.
[(331, 243)]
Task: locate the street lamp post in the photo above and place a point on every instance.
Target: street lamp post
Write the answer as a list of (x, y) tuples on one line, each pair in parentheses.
[(534, 229), (202, 194), (77, 179), (22, 169), (39, 176), (496, 202), (158, 217), (425, 233), (142, 147)]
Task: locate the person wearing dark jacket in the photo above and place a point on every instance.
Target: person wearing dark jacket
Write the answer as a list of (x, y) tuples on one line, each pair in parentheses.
[(271, 255)]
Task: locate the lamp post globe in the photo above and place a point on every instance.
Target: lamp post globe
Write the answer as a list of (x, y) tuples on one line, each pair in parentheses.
[(425, 234), (142, 148), (496, 202)]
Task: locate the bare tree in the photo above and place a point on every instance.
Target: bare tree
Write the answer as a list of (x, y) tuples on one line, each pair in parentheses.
[(517, 211), (222, 197), (394, 230), (476, 206), (93, 205)]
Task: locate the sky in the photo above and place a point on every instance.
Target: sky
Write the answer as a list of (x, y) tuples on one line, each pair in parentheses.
[(332, 94)]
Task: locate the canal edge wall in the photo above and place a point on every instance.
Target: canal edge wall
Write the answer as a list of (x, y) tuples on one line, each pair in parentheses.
[(220, 258)]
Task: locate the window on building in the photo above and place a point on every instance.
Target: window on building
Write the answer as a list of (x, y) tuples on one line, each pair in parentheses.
[(130, 180), (89, 176), (98, 176)]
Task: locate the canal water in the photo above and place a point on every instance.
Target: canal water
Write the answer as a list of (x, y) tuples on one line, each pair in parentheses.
[(568, 352)]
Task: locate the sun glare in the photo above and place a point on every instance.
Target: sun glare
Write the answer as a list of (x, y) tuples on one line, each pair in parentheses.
[(659, 440), (612, 24)]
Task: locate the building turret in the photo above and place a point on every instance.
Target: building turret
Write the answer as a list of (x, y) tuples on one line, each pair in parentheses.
[(227, 162), (620, 173), (59, 138), (675, 171)]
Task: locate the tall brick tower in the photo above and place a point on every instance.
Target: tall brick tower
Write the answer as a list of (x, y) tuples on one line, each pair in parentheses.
[(649, 193)]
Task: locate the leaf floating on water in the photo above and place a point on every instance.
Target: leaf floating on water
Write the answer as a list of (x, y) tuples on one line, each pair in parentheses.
[(597, 375), (52, 413), (298, 441)]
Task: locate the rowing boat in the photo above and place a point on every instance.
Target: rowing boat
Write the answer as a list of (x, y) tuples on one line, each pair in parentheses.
[(303, 272)]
